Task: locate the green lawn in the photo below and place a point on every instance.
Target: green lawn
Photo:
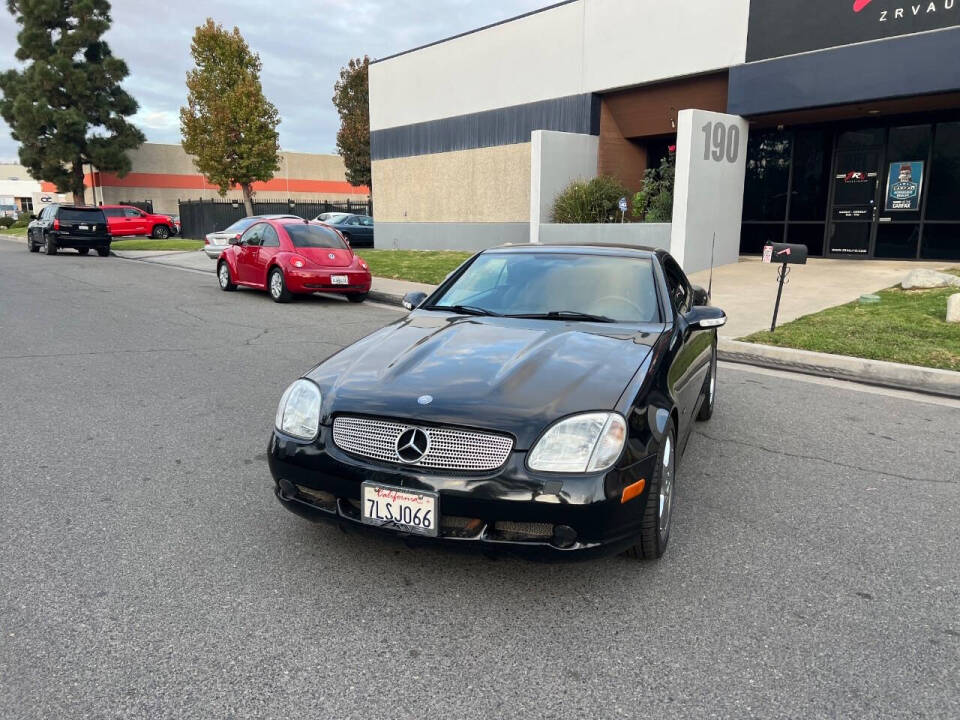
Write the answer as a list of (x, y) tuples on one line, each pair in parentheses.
[(906, 326), (424, 266), (16, 232), (150, 244)]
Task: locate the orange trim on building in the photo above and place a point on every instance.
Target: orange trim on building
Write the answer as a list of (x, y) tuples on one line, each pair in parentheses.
[(198, 182)]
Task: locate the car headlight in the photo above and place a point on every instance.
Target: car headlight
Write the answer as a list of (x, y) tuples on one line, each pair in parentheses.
[(299, 411), (582, 443)]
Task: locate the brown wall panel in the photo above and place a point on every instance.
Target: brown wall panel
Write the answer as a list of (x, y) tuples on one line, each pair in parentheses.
[(618, 156), (650, 109)]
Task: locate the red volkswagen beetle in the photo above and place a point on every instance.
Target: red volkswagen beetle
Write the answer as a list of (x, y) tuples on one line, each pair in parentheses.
[(288, 257)]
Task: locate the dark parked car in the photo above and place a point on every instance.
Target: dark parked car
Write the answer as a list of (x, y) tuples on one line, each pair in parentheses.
[(538, 400), (69, 226), (356, 229)]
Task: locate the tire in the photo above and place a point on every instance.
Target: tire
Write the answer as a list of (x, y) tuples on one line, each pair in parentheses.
[(346, 236), (223, 277), (50, 247), (160, 232), (83, 251), (356, 297), (33, 246), (277, 286), (103, 251), (709, 390), (656, 522)]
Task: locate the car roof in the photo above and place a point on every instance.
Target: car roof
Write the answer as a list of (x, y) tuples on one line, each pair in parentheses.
[(65, 206), (276, 217), (583, 248)]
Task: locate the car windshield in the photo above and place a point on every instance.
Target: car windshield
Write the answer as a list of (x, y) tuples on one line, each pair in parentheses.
[(313, 236), (333, 218), (81, 215), (557, 286), (240, 225)]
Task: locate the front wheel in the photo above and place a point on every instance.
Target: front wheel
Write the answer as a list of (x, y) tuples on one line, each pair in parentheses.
[(356, 297), (50, 248), (658, 508), (33, 246), (278, 287), (709, 390), (161, 232), (223, 277)]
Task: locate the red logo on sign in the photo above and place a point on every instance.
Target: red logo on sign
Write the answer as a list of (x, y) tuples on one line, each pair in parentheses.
[(859, 5)]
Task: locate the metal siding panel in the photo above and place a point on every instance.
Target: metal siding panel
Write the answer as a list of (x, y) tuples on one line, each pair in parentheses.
[(491, 128), (903, 66)]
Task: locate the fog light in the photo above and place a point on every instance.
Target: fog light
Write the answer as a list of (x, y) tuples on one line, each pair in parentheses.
[(564, 536), (288, 491)]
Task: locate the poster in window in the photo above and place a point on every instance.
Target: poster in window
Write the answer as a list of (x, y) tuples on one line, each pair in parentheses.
[(904, 185)]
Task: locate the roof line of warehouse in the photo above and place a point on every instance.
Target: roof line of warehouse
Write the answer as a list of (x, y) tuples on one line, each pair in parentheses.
[(475, 30)]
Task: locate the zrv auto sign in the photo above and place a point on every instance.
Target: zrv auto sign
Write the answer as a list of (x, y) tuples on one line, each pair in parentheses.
[(785, 27)]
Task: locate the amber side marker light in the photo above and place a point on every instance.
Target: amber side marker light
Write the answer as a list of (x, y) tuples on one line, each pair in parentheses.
[(631, 491)]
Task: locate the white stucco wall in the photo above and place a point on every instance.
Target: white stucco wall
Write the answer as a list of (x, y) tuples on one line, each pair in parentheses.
[(708, 189), (655, 235), (583, 46), (556, 160)]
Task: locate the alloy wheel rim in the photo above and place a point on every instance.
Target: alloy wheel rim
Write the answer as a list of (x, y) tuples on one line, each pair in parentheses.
[(276, 284), (224, 275), (666, 486)]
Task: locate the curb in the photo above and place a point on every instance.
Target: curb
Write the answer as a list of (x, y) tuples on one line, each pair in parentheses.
[(385, 298), (843, 367)]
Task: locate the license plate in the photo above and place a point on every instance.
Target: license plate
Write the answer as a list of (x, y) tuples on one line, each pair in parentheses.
[(84, 227), (339, 280), (408, 510)]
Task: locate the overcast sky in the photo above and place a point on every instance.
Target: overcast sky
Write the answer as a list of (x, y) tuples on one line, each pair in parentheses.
[(302, 44)]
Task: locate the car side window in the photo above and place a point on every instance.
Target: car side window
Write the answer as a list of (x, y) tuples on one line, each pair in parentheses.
[(269, 237), (112, 212), (252, 236), (366, 221), (353, 221), (679, 288), (131, 212)]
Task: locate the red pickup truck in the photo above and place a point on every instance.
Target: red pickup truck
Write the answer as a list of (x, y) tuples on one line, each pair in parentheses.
[(128, 220)]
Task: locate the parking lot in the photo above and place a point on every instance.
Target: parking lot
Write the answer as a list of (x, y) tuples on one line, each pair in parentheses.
[(146, 569)]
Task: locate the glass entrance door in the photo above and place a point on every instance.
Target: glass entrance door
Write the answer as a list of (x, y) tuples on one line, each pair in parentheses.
[(855, 193)]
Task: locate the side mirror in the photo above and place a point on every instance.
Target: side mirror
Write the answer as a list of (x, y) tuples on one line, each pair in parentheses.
[(700, 296), (704, 317), (413, 299), (235, 240), (32, 216)]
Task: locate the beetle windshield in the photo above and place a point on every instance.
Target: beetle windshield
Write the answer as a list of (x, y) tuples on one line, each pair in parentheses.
[(557, 286)]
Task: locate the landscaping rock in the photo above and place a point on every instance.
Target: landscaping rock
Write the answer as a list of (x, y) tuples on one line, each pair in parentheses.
[(953, 308), (929, 279)]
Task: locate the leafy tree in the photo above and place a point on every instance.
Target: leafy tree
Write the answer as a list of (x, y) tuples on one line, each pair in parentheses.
[(595, 201), (228, 125), (654, 201), (351, 96), (66, 107)]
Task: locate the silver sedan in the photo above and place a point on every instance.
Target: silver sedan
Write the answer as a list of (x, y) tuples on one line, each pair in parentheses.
[(217, 241)]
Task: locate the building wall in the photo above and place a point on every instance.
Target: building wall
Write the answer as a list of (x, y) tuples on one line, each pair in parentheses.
[(482, 185), (557, 159)]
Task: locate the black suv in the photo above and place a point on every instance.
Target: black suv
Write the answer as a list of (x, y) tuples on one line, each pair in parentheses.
[(69, 226)]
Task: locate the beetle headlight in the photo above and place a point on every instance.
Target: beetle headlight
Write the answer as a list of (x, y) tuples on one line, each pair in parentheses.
[(582, 443), (299, 411)]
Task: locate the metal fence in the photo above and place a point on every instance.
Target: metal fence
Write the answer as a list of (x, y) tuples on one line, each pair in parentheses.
[(199, 217)]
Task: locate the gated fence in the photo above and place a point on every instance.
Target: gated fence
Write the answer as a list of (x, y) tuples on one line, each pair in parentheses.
[(199, 217)]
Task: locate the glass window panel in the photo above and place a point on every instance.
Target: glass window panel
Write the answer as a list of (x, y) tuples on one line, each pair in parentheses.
[(908, 143), (941, 242), (855, 182), (850, 238), (897, 240), (768, 167), (943, 189), (810, 235), (864, 137), (753, 236), (811, 162)]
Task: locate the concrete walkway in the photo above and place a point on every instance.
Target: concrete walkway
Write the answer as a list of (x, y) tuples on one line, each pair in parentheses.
[(747, 290)]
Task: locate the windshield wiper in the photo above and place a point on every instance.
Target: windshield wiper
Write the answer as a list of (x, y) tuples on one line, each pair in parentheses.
[(565, 315), (463, 309)]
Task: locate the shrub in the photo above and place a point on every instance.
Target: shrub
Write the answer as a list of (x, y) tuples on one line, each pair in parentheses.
[(594, 201), (654, 202), (21, 221), (6, 222)]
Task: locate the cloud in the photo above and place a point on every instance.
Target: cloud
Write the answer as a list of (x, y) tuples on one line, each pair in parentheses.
[(302, 44)]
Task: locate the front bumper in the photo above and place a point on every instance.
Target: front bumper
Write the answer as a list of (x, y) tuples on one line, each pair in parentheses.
[(539, 515)]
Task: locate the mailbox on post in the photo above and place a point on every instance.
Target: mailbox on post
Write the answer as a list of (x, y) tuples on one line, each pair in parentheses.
[(784, 254)]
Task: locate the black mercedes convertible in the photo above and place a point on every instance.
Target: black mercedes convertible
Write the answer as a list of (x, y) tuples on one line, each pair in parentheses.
[(537, 401)]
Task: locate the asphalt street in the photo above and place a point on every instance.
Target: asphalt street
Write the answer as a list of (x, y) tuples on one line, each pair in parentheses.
[(146, 569)]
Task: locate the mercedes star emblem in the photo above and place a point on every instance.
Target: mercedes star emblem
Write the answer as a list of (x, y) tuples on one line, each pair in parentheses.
[(412, 445)]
